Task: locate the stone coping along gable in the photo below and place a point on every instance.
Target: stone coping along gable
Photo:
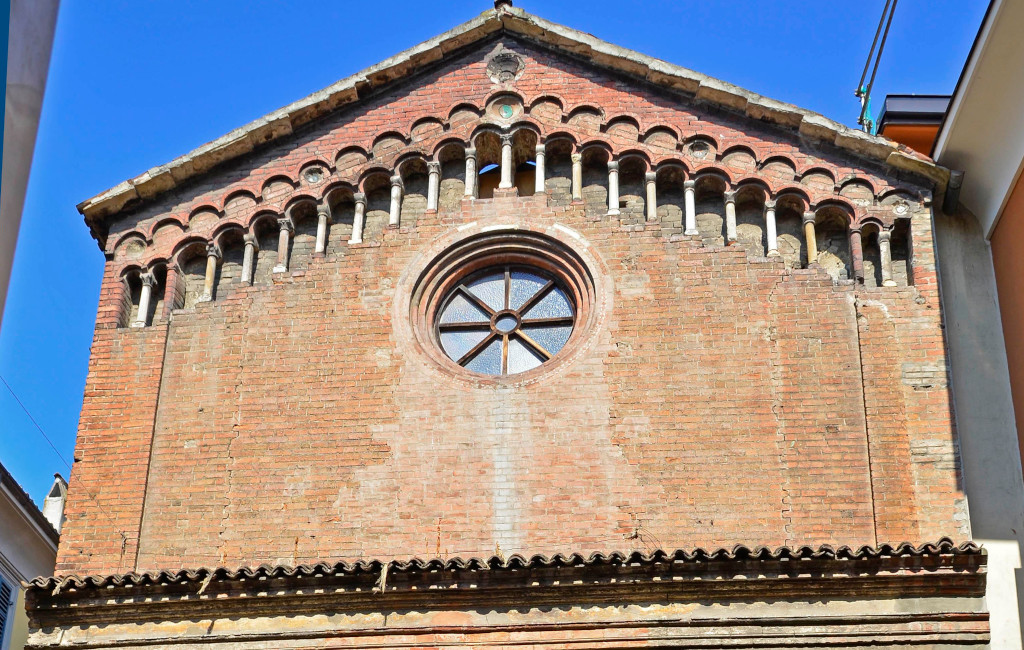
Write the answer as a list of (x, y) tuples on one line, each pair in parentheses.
[(503, 18)]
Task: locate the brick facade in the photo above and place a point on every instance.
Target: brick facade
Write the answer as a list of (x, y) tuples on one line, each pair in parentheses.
[(720, 396)]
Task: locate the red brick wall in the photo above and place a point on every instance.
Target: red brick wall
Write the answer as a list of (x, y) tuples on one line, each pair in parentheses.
[(719, 399), (115, 434)]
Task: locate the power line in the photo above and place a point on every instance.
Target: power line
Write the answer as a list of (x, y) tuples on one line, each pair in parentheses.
[(99, 508), (46, 437), (874, 43), (864, 94)]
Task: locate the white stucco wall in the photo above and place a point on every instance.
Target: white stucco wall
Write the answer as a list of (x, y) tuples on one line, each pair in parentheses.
[(28, 61)]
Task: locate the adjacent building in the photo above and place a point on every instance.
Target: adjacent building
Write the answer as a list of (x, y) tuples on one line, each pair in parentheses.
[(521, 338), (28, 549), (29, 41), (978, 132)]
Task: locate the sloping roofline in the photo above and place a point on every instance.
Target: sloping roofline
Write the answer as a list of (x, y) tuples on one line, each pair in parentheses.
[(503, 18), (28, 507)]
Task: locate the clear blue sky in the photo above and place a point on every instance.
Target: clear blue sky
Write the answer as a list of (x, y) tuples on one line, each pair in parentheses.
[(134, 84)]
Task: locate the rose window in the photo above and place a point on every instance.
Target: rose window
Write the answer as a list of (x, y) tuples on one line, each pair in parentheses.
[(505, 320)]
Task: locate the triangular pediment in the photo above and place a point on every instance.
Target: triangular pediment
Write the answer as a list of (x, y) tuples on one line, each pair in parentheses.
[(516, 29)]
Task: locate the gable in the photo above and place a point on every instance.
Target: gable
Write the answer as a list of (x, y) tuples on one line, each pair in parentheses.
[(553, 101), (506, 21)]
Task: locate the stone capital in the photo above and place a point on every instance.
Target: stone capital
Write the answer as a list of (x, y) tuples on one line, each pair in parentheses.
[(541, 149), (884, 235), (613, 166), (323, 211), (471, 153), (396, 181), (250, 239), (359, 198), (506, 139), (689, 185), (576, 158), (148, 279), (769, 204), (213, 250), (286, 223), (730, 197), (433, 167), (809, 217), (650, 177)]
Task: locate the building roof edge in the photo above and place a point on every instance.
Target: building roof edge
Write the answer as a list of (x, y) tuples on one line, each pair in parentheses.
[(32, 512), (739, 553), (285, 120)]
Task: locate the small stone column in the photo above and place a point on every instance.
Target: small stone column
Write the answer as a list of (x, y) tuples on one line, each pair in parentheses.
[(212, 255), (471, 173), (809, 238), (538, 183), (650, 179), (769, 228), (857, 254), (395, 214), (613, 188), (358, 218), (885, 252), (323, 219), (689, 190), (577, 177), (730, 218), (283, 237), (433, 184), (249, 256), (174, 291), (506, 163), (148, 282)]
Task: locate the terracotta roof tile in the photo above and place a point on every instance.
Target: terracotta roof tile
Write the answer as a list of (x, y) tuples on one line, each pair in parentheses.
[(739, 553)]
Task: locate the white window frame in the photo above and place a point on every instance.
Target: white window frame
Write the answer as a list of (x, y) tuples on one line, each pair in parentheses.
[(5, 634)]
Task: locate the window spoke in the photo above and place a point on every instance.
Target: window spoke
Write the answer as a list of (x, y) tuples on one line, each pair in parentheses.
[(536, 297), (558, 320), (554, 304), (488, 360), (458, 342), (476, 349), (551, 337), (476, 301), (504, 354), (523, 286), (533, 344), (508, 285), (464, 326)]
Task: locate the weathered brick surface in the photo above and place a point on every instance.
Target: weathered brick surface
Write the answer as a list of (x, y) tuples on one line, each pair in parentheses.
[(115, 433), (723, 397)]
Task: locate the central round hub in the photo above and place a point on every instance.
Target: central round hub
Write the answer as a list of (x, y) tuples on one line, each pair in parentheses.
[(506, 323)]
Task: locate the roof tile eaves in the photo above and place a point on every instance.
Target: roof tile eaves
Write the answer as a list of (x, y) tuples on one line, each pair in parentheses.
[(739, 553)]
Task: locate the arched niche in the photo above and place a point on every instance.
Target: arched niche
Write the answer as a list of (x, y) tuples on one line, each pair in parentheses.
[(558, 170), (488, 161), (671, 179), (595, 180), (303, 242), (452, 188), (709, 195), (832, 234)]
